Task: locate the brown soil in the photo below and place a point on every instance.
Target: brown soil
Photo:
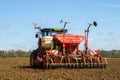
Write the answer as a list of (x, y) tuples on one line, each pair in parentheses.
[(19, 69)]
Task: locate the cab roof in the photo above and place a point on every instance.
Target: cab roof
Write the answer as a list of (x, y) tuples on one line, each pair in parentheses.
[(53, 30)]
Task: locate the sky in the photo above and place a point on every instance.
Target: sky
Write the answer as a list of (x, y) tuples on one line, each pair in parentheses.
[(17, 18)]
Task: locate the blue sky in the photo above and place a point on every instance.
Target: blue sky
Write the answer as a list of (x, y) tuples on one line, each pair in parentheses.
[(17, 18)]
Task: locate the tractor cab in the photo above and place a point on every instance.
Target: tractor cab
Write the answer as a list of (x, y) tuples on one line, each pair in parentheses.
[(51, 31), (47, 38)]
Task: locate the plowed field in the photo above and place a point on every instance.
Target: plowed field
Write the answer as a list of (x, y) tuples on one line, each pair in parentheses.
[(19, 69)]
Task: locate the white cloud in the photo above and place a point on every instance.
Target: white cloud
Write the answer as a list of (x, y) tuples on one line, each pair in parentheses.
[(1, 49), (112, 34), (110, 46), (111, 5), (19, 46), (100, 33), (4, 26), (91, 39)]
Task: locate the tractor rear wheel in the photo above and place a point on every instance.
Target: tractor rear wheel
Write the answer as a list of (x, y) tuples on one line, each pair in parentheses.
[(32, 58)]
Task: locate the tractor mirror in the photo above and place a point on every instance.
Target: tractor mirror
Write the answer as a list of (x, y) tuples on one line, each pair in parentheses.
[(36, 35), (95, 23)]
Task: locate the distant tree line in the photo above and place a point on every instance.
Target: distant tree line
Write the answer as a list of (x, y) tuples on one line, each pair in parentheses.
[(14, 53), (110, 54), (20, 53)]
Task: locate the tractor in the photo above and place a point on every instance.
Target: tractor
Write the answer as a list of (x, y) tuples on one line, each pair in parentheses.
[(58, 49)]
